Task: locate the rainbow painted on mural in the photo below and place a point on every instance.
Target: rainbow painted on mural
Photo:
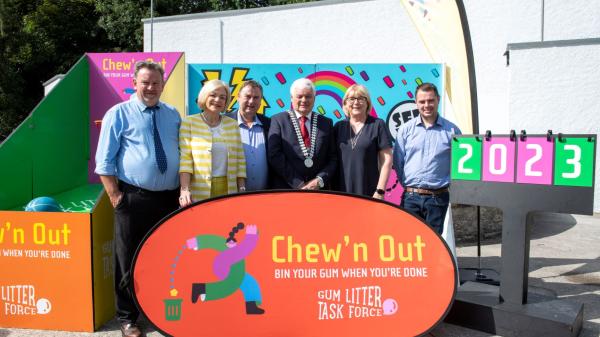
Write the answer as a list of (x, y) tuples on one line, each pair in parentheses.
[(333, 84)]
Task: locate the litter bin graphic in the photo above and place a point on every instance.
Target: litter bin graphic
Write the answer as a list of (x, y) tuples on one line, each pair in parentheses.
[(173, 309)]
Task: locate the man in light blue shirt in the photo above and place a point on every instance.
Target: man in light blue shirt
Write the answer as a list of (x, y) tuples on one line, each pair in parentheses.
[(254, 129), (138, 162), (126, 145), (422, 159)]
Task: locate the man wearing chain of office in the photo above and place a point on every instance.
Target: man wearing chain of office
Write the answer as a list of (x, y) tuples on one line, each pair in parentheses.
[(301, 148)]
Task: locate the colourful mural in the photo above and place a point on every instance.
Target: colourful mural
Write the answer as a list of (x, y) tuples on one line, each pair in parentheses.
[(391, 87)]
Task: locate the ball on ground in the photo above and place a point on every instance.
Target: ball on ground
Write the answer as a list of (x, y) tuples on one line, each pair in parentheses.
[(43, 204)]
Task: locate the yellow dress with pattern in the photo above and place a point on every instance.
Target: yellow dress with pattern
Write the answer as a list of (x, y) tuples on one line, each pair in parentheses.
[(195, 144)]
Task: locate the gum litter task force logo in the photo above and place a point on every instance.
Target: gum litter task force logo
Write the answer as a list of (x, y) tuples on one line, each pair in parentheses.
[(20, 300), (228, 266)]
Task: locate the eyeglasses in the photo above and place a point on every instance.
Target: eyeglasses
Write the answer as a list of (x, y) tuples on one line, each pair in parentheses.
[(360, 99)]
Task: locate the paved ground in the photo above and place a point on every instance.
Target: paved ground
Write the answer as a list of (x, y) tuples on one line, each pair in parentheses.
[(565, 261)]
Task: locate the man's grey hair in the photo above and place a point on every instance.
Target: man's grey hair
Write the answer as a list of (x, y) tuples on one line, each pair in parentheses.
[(302, 83), (151, 66)]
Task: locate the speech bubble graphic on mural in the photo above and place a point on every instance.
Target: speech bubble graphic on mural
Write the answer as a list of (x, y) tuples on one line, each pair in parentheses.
[(401, 113), (298, 262)]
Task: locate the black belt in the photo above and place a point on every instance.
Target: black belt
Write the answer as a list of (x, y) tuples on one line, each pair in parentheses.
[(125, 187)]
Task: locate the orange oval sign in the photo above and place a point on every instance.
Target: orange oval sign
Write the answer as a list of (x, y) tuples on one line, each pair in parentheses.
[(294, 264)]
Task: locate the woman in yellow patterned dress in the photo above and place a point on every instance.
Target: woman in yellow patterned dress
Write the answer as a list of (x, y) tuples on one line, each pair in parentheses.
[(212, 158)]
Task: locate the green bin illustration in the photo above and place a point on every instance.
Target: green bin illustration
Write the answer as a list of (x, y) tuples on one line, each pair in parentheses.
[(173, 309)]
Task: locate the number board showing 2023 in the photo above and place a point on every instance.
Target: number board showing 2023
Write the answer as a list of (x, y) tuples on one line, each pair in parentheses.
[(563, 161)]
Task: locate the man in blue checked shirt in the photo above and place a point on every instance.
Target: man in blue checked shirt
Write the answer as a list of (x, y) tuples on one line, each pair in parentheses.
[(254, 129), (138, 162), (422, 159)]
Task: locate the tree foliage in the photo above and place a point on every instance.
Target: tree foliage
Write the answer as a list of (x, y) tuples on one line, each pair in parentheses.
[(42, 38), (122, 22)]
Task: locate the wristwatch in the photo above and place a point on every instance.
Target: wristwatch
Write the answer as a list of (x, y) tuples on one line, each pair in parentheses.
[(320, 182), (380, 191)]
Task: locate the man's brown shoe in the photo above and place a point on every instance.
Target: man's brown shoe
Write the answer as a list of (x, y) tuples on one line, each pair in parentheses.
[(130, 330)]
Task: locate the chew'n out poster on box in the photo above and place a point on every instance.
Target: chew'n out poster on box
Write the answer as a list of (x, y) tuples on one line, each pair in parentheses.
[(44, 283), (293, 263)]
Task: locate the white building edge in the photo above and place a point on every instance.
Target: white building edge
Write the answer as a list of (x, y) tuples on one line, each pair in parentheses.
[(550, 80)]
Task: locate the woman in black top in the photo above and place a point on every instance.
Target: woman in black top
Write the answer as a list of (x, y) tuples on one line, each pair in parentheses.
[(364, 147)]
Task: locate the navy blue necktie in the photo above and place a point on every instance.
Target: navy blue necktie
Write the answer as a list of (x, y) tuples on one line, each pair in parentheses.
[(161, 158)]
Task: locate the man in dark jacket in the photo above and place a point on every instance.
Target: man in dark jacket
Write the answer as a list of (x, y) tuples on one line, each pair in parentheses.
[(301, 148)]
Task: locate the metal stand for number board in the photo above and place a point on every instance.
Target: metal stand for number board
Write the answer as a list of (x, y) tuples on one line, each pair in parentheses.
[(479, 274), (509, 310)]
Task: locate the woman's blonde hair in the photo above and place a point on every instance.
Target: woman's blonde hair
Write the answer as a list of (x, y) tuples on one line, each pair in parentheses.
[(209, 87)]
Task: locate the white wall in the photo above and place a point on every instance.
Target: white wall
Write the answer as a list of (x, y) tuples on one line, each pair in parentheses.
[(573, 19), (51, 83), (379, 31), (493, 24), (557, 88), (323, 32)]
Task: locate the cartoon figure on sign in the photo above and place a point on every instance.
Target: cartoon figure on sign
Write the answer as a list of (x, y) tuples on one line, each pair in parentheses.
[(229, 267)]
